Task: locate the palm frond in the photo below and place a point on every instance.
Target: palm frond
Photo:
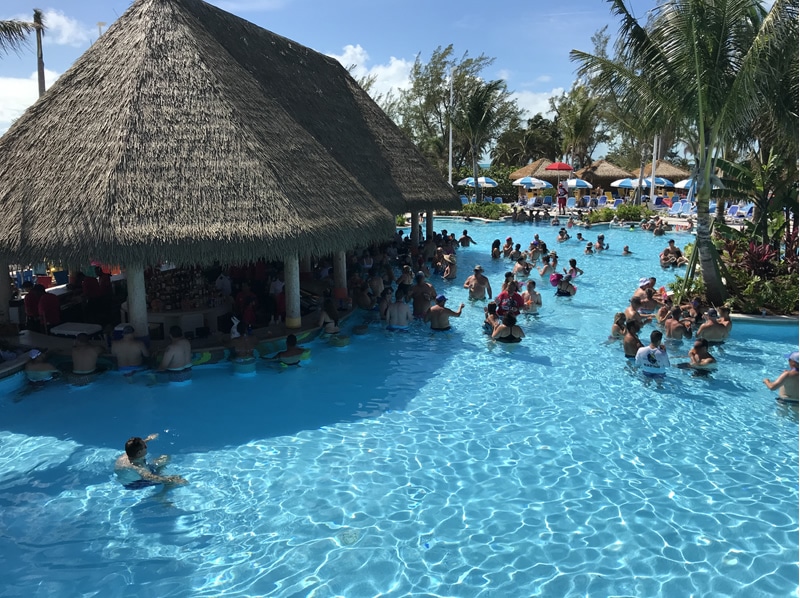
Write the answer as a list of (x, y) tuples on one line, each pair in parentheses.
[(14, 35)]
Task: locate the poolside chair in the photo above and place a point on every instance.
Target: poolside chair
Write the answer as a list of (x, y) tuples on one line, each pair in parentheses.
[(687, 209), (601, 201), (730, 216), (498, 200), (464, 201), (617, 203), (548, 201), (676, 209), (571, 203)]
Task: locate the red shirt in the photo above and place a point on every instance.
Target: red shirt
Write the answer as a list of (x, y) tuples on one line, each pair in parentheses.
[(509, 302), (50, 309), (91, 288), (32, 304), (104, 282)]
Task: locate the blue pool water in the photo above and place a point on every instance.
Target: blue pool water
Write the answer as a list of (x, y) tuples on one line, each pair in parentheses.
[(422, 464)]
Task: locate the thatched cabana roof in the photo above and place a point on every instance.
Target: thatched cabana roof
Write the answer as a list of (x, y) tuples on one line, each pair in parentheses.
[(663, 169), (537, 169), (189, 134), (602, 173)]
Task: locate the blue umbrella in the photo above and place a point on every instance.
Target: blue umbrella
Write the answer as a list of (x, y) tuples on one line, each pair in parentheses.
[(660, 182), (532, 183), (483, 181), (578, 184), (626, 183)]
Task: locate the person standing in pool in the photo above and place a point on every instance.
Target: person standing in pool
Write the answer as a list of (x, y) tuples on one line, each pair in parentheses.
[(130, 353), (439, 315), (178, 356), (630, 341), (421, 294), (293, 352), (84, 355), (133, 471), (466, 240), (653, 358), (398, 315), (478, 285), (711, 330), (787, 382)]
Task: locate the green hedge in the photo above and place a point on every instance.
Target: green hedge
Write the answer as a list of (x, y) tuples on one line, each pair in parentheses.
[(489, 211), (625, 212)]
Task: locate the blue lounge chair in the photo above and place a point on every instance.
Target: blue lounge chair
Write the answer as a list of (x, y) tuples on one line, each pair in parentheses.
[(498, 200), (617, 203), (731, 214), (676, 209), (464, 201), (687, 209), (601, 201), (548, 200), (571, 203)]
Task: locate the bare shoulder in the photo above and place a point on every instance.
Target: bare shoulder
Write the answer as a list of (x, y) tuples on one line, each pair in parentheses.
[(122, 462)]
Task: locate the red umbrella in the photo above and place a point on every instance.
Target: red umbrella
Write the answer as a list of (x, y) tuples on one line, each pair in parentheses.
[(559, 166)]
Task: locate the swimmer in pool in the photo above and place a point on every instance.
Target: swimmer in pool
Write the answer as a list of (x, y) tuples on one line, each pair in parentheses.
[(130, 353), (133, 471), (178, 356), (398, 314), (699, 357), (293, 353), (439, 315), (787, 382), (711, 329)]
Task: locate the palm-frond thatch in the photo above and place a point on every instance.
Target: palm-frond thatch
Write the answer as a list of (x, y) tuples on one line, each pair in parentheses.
[(536, 169), (663, 169), (190, 134), (602, 173)]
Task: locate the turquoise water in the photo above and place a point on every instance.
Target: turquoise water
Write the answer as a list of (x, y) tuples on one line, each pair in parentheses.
[(423, 464)]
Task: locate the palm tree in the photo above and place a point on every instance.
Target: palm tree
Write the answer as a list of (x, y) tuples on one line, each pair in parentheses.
[(14, 35), (708, 62), (38, 23), (478, 119)]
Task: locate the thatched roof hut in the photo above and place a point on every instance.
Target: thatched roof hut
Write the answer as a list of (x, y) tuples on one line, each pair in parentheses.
[(602, 173), (190, 134), (663, 169), (537, 169)]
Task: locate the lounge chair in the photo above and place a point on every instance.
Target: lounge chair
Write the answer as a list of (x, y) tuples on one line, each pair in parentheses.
[(676, 209), (548, 201), (730, 216), (571, 203), (601, 201), (617, 203), (464, 201), (687, 209), (498, 200)]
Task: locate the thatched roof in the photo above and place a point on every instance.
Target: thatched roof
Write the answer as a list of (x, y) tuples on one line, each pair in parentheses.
[(663, 169), (190, 134), (536, 169), (602, 173)]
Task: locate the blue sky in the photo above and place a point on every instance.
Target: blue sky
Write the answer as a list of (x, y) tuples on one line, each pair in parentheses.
[(530, 40)]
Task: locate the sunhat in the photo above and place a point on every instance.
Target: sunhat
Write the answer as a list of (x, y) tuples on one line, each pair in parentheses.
[(643, 282), (793, 356)]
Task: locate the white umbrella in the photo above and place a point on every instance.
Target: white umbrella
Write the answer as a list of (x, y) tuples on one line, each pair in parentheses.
[(483, 181), (578, 184), (532, 183)]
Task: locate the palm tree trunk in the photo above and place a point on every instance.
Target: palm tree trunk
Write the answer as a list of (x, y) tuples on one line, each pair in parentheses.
[(39, 24), (716, 293), (478, 188)]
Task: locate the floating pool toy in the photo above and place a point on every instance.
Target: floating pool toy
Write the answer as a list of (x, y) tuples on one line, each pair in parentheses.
[(201, 358), (339, 341)]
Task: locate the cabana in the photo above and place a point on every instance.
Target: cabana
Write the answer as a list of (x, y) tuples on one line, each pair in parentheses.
[(190, 135), (602, 173)]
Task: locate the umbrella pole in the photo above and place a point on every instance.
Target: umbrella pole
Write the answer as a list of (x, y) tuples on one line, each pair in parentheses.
[(291, 271), (5, 295), (137, 300), (340, 277), (429, 224)]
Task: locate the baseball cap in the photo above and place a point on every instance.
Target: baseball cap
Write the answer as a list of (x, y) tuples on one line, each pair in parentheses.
[(34, 353), (712, 313), (441, 299), (478, 268), (793, 356), (644, 282), (509, 239)]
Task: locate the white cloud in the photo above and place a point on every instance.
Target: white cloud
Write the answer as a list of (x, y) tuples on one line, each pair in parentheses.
[(504, 74), (544, 79), (534, 102), (17, 94), (388, 77), (62, 30)]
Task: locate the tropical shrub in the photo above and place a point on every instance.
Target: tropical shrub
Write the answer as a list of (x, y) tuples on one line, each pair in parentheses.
[(489, 211)]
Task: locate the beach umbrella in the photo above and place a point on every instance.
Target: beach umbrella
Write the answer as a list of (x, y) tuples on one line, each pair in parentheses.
[(530, 182), (660, 182), (483, 181), (560, 166), (689, 183), (578, 184), (626, 183), (684, 184)]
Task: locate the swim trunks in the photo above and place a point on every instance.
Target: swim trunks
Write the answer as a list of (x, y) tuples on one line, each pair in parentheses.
[(653, 375), (397, 328), (441, 329), (139, 484), (131, 369)]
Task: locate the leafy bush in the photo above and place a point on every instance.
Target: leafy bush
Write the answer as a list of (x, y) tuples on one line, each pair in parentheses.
[(400, 220), (631, 213), (601, 215), (489, 211)]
